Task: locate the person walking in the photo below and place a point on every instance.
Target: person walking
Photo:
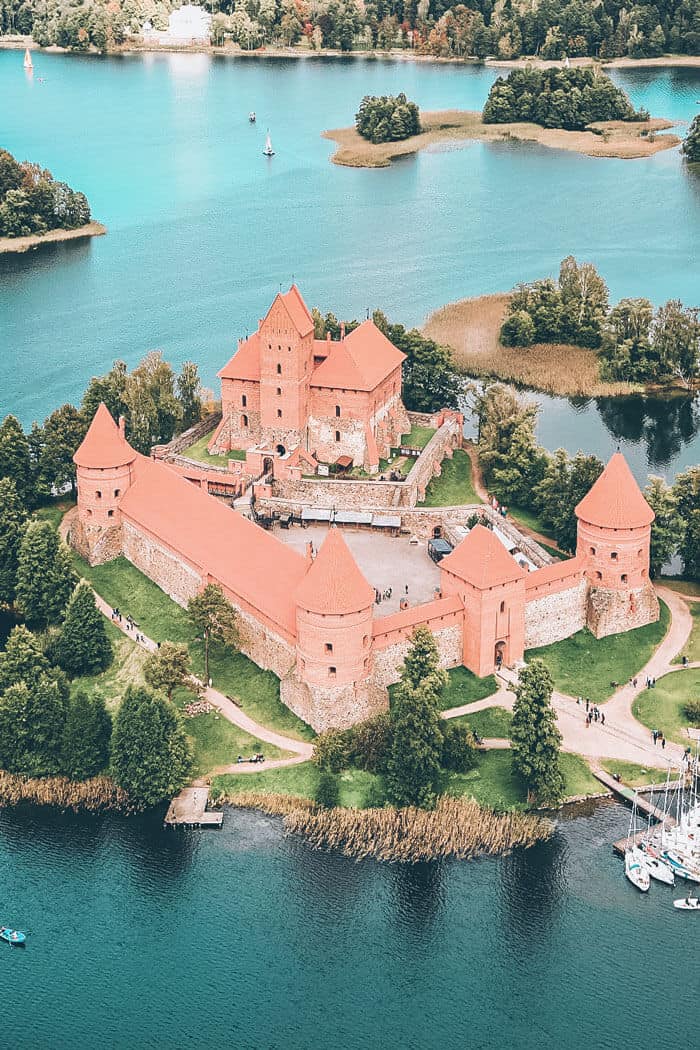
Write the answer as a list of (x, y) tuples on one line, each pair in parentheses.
[(663, 742), (602, 718)]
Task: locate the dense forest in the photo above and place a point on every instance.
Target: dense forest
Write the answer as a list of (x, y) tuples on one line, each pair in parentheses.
[(634, 342), (507, 29), (31, 201), (388, 118), (558, 98)]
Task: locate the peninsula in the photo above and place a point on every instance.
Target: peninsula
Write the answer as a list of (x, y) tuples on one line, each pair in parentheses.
[(625, 140), (35, 240)]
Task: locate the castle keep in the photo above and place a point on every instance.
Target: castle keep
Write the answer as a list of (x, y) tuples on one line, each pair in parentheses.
[(313, 620)]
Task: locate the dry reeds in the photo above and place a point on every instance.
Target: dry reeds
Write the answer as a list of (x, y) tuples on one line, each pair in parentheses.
[(91, 796), (471, 328), (455, 828)]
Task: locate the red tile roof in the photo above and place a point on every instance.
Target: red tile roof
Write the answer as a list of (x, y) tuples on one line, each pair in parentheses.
[(482, 560), (361, 361), (417, 614), (558, 570), (245, 363), (103, 445), (334, 583), (615, 500), (297, 310), (244, 558)]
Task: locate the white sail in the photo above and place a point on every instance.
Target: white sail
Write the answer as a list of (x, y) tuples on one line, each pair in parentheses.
[(28, 64), (268, 151)]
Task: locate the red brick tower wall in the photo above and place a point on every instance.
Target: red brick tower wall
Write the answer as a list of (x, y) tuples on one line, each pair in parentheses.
[(286, 363)]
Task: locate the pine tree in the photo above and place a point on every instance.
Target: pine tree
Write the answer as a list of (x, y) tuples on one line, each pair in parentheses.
[(151, 756), (22, 659), (32, 716), (422, 662), (82, 646), (666, 529), (189, 392), (13, 518), (86, 736), (15, 459), (45, 577), (691, 144), (535, 739), (13, 728)]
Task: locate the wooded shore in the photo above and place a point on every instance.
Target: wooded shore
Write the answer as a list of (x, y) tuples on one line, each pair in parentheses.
[(35, 240)]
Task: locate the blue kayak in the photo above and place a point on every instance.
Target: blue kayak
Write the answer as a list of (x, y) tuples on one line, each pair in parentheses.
[(12, 936)]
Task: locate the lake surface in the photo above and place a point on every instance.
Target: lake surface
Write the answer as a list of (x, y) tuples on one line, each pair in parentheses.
[(203, 230), (140, 937)]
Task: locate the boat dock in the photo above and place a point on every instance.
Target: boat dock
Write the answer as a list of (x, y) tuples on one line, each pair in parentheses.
[(629, 795), (189, 810)]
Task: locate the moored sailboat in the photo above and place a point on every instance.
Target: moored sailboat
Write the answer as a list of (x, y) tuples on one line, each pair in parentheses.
[(268, 151)]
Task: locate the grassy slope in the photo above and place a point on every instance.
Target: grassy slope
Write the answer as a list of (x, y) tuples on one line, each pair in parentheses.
[(492, 722), (692, 647), (120, 584), (199, 452), (662, 707), (680, 584), (454, 486), (464, 687), (417, 437), (632, 774), (585, 666)]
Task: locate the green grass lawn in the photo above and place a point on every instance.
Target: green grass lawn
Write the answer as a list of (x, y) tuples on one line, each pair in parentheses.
[(454, 486), (464, 687), (662, 707), (198, 451), (357, 788), (126, 669), (54, 510), (585, 666), (529, 518), (680, 584), (417, 437), (159, 617), (494, 722), (691, 649), (632, 774)]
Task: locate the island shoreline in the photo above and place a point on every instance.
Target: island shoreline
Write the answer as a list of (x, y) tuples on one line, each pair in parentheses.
[(18, 245)]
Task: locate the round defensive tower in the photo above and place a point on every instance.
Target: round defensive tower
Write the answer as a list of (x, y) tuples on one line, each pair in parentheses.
[(613, 542), (334, 603), (104, 463)]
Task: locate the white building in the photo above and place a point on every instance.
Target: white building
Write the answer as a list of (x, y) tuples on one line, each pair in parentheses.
[(188, 25)]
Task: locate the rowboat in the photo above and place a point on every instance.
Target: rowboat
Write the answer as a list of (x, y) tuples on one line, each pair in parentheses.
[(13, 937), (687, 904)]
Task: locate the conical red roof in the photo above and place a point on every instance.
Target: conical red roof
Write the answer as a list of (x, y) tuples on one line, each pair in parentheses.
[(615, 500), (334, 583), (482, 560), (103, 445)]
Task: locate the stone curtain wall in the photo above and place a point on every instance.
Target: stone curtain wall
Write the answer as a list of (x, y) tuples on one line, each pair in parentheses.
[(389, 660), (262, 645), (332, 708), (555, 612), (188, 437), (173, 575), (427, 466), (612, 612)]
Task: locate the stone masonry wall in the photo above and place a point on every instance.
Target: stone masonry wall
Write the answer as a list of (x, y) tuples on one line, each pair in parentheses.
[(556, 614), (612, 612), (388, 661), (332, 708), (172, 574)]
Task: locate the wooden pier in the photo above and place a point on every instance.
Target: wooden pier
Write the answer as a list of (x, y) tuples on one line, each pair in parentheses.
[(189, 810), (629, 795)]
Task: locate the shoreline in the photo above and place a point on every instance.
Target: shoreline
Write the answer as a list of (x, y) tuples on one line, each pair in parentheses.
[(16, 42), (470, 328), (621, 140), (17, 245)]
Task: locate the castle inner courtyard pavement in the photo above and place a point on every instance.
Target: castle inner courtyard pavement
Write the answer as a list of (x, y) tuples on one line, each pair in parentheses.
[(386, 562)]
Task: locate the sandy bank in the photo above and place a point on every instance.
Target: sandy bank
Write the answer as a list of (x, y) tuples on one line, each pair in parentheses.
[(470, 328), (607, 63), (25, 244), (619, 139)]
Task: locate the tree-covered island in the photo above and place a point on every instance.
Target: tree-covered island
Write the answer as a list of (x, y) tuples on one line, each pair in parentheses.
[(389, 118), (34, 205)]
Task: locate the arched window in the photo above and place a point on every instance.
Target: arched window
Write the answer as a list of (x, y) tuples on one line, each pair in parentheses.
[(331, 672), (279, 391), (592, 550), (599, 576), (337, 410), (503, 606), (624, 577), (244, 421), (279, 369), (117, 493), (337, 435), (329, 647), (98, 494), (279, 413), (613, 555), (244, 400), (110, 513)]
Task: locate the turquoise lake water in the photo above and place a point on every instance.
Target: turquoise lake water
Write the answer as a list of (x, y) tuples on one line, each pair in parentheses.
[(145, 938), (203, 230)]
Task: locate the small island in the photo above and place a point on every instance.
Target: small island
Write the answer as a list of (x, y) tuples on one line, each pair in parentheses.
[(577, 109), (35, 208)]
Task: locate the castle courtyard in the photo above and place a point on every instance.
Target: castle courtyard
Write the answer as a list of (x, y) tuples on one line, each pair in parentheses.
[(386, 562)]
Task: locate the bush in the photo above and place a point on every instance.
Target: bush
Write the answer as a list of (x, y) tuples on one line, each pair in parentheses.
[(387, 118), (691, 144), (331, 752), (369, 743), (691, 710), (458, 747), (327, 790), (518, 330)]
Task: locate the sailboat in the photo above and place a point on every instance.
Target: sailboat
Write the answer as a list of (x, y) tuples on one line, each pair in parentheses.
[(636, 869), (28, 64), (657, 867), (268, 151)]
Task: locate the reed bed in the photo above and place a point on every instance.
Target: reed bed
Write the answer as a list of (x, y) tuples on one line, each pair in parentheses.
[(470, 328), (277, 805), (96, 795)]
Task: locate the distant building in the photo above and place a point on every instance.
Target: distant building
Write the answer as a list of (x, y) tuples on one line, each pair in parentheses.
[(188, 25)]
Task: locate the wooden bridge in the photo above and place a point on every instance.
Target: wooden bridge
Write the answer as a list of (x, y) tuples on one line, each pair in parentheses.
[(629, 795), (189, 810)]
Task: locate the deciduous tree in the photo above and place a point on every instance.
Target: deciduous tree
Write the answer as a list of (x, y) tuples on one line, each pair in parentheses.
[(215, 617), (168, 667)]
